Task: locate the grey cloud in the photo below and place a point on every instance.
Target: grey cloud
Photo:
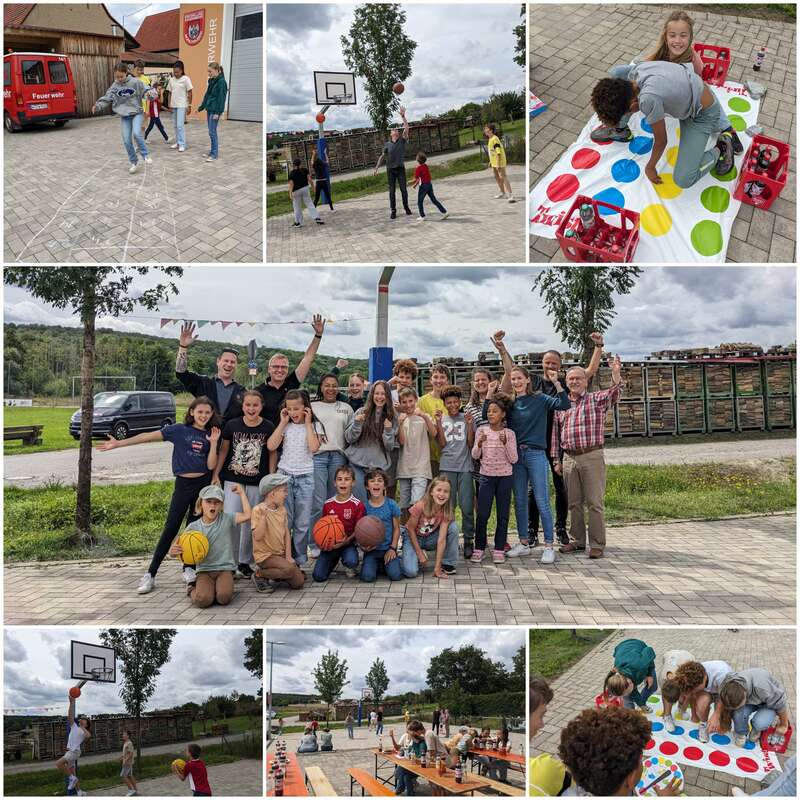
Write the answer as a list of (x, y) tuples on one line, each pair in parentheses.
[(13, 650), (298, 20)]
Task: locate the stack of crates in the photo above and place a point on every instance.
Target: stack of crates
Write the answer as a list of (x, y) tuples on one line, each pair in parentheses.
[(720, 414), (661, 411), (749, 397), (689, 389), (631, 409), (780, 379)]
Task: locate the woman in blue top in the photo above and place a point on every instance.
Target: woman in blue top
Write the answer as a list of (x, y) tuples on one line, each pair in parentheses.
[(528, 420), (194, 456)]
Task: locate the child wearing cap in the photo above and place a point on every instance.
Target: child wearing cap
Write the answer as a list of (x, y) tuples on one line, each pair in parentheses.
[(272, 542), (215, 571)]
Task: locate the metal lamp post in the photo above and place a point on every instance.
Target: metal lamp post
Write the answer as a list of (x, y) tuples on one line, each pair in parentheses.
[(269, 695), (380, 356)]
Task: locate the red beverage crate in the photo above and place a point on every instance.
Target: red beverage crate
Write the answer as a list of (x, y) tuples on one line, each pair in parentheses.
[(625, 238), (716, 62), (775, 748), (602, 700), (773, 178)]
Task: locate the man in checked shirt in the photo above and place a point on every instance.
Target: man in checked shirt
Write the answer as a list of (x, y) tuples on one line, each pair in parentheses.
[(579, 434)]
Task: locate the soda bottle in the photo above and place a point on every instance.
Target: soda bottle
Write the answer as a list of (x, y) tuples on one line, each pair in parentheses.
[(438, 765), (459, 774), (759, 62), (380, 744), (279, 784), (587, 216), (764, 159), (423, 760)]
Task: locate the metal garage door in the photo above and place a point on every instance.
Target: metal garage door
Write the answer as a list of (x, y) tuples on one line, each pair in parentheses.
[(247, 64)]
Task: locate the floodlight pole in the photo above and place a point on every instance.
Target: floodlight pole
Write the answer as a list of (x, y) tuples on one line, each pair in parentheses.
[(380, 356), (269, 694)]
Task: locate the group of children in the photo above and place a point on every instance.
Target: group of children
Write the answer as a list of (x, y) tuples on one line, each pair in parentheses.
[(601, 750), (133, 96)]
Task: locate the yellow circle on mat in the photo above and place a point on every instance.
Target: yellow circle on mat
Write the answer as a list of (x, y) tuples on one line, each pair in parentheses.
[(656, 220), (672, 155), (668, 189)]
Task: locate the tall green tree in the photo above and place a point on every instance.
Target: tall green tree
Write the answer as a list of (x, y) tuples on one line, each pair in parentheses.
[(254, 655), (142, 652), (520, 34), (330, 678), (13, 360), (377, 679), (380, 53), (582, 300), (467, 667), (89, 292), (516, 678)]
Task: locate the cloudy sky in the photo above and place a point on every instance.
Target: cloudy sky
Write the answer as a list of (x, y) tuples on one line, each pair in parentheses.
[(134, 13), (405, 651), (203, 662), (437, 311), (464, 54)]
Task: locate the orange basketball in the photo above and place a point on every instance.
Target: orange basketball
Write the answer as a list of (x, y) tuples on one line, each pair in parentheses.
[(320, 117), (74, 692), (398, 88), (369, 532), (329, 532)]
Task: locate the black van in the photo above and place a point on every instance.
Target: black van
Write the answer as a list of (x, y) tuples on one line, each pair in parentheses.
[(124, 414)]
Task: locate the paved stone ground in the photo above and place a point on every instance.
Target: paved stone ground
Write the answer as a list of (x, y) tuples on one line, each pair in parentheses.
[(142, 464), (479, 229), (738, 571), (577, 687), (69, 197), (573, 46)]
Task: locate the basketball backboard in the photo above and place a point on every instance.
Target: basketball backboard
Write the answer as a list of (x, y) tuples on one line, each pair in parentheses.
[(335, 88), (94, 662)]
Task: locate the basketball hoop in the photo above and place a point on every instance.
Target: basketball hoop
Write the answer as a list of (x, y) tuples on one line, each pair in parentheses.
[(102, 673)]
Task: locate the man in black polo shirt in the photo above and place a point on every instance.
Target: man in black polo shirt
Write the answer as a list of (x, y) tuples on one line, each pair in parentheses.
[(394, 151), (223, 391), (274, 389)]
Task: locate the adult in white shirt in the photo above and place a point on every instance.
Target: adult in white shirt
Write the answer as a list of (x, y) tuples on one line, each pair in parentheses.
[(79, 732), (180, 101)]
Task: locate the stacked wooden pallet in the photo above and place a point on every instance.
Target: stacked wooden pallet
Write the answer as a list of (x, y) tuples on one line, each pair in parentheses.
[(632, 418), (689, 380), (779, 377), (751, 413), (748, 379), (718, 380), (691, 416), (660, 381), (781, 412), (661, 416), (720, 414)]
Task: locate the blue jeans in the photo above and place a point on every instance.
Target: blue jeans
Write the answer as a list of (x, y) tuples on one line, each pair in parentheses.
[(532, 466), (350, 732), (379, 728), (694, 161), (426, 190), (462, 493), (359, 490), (298, 507), (373, 564), (325, 466), (328, 559), (403, 781), (180, 126), (428, 543), (132, 132), (763, 717), (213, 122), (638, 697), (786, 785)]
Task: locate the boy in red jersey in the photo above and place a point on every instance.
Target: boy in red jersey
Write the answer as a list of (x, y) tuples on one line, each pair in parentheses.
[(195, 770), (422, 178)]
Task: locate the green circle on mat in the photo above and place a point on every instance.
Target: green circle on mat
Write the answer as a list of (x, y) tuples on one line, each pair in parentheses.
[(728, 176), (653, 700), (739, 104), (707, 238), (715, 198), (737, 123)]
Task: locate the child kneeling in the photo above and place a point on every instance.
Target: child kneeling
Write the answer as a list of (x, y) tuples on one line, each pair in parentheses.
[(215, 572), (272, 542)]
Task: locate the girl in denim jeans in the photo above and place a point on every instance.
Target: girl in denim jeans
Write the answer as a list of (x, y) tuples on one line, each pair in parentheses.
[(296, 433), (214, 106)]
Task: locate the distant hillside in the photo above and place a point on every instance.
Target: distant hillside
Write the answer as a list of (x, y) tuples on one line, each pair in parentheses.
[(40, 360)]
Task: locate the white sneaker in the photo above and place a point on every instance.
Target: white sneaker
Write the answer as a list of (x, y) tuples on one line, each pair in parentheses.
[(210, 160), (445, 215), (519, 549), (146, 584), (189, 575), (740, 739), (501, 196), (181, 149), (702, 733), (512, 199), (350, 572), (314, 552), (421, 219), (148, 160), (133, 168), (669, 723), (174, 146), (548, 555)]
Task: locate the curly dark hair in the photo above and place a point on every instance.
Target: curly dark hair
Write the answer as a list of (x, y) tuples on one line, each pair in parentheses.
[(611, 98), (690, 675), (602, 746), (450, 391)]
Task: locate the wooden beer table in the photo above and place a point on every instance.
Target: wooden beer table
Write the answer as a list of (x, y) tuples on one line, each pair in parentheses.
[(446, 782), (502, 756), (293, 783)]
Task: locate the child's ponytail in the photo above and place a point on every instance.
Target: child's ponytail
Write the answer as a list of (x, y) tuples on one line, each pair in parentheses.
[(615, 683), (218, 67)]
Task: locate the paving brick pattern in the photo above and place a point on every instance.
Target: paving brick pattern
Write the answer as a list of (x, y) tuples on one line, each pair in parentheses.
[(479, 229), (729, 572), (69, 197), (573, 46), (576, 688)]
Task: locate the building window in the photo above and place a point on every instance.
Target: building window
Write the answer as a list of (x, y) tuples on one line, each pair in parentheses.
[(249, 26), (32, 72), (58, 72)]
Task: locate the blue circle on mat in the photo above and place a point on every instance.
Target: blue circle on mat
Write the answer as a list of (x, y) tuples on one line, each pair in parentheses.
[(720, 738), (625, 170), (678, 731), (613, 196), (657, 726), (641, 145), (646, 126), (694, 735), (748, 745)]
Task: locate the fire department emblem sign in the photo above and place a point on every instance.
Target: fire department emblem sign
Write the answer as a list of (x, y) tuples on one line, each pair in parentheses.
[(194, 26)]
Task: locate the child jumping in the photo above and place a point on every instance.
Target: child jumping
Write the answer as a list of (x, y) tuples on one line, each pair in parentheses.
[(633, 677), (80, 731), (498, 163), (125, 98), (300, 186), (195, 770), (214, 105), (422, 178)]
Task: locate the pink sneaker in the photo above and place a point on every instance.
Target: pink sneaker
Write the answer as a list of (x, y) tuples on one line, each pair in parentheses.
[(476, 557), (498, 556)]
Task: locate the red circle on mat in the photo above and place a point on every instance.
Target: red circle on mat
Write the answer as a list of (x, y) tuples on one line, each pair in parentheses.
[(719, 758), (562, 187), (746, 764), (651, 743), (668, 748), (693, 753), (585, 158)]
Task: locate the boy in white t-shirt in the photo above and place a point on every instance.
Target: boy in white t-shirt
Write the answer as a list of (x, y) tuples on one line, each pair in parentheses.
[(415, 429), (180, 101), (79, 732)]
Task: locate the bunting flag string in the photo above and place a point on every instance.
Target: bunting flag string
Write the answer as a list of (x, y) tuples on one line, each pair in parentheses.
[(223, 323), (27, 709)]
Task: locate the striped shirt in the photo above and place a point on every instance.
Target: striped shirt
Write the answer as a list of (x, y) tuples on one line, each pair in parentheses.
[(496, 458), (583, 425)]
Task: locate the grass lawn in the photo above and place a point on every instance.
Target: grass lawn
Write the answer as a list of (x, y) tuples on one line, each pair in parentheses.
[(128, 518), (552, 652), (106, 773), (235, 725), (515, 128), (279, 202)]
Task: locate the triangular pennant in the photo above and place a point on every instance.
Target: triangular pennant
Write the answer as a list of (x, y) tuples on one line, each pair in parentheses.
[(224, 324), (202, 322), (166, 321)]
